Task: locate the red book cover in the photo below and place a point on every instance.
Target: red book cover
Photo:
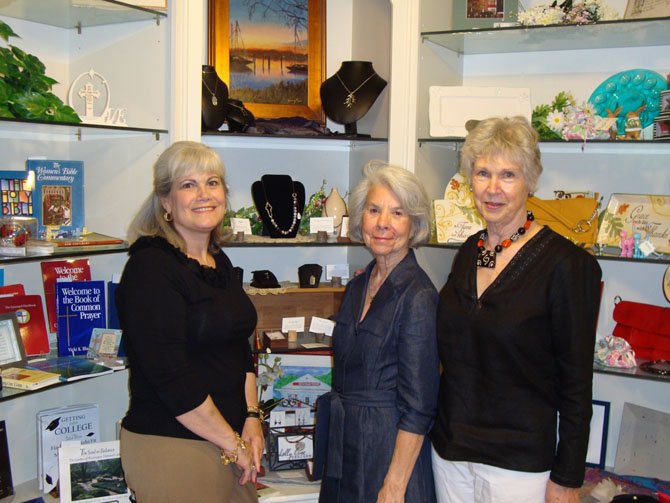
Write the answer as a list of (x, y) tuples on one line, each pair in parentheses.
[(66, 270), (30, 315), (11, 290)]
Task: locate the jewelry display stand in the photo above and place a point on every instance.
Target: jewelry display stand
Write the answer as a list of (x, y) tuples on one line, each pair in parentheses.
[(214, 99), (280, 202), (348, 95)]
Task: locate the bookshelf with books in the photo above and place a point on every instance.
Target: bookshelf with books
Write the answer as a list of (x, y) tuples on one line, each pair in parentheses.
[(128, 46)]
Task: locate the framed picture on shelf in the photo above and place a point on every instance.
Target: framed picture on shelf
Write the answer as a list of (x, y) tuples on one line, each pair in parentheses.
[(272, 59), (638, 9), (595, 455), (469, 14)]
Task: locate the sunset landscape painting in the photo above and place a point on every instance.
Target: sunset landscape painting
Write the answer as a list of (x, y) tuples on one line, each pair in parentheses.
[(269, 53)]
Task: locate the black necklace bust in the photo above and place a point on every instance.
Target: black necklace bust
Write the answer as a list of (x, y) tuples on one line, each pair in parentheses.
[(214, 99)]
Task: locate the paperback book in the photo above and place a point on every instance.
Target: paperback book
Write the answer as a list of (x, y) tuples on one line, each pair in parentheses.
[(80, 307), (66, 270), (16, 192), (6, 484), (71, 368), (80, 422), (92, 473), (58, 197), (28, 379), (30, 316)]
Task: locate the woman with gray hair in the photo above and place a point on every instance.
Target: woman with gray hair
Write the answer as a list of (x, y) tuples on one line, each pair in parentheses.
[(193, 429), (385, 373), (516, 329)]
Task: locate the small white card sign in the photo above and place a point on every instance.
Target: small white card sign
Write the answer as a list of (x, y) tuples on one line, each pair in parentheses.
[(341, 270), (296, 323), (317, 224), (321, 326), (240, 224), (344, 229)]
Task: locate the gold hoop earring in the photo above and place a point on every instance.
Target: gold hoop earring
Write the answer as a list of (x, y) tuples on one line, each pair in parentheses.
[(167, 216)]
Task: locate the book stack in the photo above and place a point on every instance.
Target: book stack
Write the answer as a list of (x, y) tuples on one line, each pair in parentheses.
[(28, 379), (73, 422)]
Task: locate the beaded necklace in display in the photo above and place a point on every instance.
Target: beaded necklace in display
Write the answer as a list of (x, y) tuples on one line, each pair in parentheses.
[(269, 211)]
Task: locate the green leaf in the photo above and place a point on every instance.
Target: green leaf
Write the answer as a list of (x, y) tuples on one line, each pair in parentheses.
[(6, 31)]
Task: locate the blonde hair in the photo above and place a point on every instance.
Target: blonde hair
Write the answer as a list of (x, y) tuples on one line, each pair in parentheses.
[(179, 159)]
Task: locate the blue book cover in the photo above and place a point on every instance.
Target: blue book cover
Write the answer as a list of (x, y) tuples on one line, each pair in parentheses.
[(80, 307), (58, 197)]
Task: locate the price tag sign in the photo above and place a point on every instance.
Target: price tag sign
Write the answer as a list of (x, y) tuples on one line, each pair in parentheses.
[(241, 224), (321, 326), (317, 224), (296, 323)]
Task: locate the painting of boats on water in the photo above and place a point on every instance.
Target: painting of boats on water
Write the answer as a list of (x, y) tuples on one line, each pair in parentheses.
[(270, 54)]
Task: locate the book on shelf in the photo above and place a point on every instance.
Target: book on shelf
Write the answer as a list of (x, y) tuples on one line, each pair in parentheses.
[(32, 326), (77, 422), (39, 247), (88, 239), (16, 191), (6, 483), (28, 379), (92, 473), (58, 197), (104, 348), (71, 368), (54, 270), (11, 290), (80, 307)]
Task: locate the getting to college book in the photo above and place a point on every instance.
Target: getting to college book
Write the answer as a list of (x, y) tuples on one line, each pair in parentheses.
[(54, 270), (80, 307), (30, 316), (72, 422), (58, 197)]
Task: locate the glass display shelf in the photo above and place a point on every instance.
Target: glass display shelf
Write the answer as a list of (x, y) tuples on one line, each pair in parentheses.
[(301, 241), (602, 35), (34, 129), (77, 13), (308, 342), (89, 251), (11, 393), (635, 372)]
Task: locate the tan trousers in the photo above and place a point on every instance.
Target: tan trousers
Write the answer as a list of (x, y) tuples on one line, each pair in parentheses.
[(175, 470)]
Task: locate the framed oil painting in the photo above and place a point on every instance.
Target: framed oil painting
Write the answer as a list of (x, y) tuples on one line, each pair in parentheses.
[(271, 54), (469, 14)]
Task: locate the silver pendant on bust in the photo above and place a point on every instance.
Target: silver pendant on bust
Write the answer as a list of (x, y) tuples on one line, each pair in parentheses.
[(215, 102)]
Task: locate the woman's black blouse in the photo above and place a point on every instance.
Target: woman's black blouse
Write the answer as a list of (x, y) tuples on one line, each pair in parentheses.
[(186, 333), (517, 357)]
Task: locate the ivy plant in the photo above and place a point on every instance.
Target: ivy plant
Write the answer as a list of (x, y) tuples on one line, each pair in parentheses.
[(25, 90)]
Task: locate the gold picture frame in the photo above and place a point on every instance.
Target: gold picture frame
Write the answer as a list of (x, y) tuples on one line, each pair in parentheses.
[(304, 102)]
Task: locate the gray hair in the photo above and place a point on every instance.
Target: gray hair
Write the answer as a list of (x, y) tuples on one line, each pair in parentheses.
[(179, 159), (406, 187), (512, 139)]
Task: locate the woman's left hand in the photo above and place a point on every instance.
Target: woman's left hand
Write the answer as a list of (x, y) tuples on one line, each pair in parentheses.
[(560, 494), (252, 434)]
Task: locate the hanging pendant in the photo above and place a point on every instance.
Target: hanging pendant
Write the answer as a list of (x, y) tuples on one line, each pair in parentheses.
[(215, 102), (349, 102)]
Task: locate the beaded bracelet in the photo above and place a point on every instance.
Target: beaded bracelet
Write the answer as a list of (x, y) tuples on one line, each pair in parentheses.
[(233, 456)]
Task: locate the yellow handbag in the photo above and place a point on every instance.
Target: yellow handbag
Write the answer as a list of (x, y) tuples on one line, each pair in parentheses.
[(575, 219)]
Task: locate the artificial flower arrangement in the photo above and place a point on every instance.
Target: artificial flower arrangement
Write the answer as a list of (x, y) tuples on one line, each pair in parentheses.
[(563, 119), (588, 11)]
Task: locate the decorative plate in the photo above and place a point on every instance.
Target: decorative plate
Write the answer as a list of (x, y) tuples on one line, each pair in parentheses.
[(630, 90), (666, 284)]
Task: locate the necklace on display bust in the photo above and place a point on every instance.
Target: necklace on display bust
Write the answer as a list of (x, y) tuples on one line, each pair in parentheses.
[(351, 98), (215, 100), (487, 258), (269, 210)]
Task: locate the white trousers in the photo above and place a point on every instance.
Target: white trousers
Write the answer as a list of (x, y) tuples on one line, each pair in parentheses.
[(463, 482)]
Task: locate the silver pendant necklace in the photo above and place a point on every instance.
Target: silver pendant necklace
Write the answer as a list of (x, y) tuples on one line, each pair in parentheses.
[(215, 101), (351, 99)]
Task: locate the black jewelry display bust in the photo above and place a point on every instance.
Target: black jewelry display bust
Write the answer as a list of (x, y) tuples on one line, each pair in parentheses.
[(350, 92), (279, 210), (214, 99)]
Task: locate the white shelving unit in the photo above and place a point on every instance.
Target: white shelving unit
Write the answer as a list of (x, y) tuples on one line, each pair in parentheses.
[(547, 60)]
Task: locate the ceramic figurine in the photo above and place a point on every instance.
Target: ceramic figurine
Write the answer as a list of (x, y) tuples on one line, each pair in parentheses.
[(622, 244), (637, 238)]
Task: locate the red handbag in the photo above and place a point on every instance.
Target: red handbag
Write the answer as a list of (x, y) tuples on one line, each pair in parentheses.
[(646, 328)]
